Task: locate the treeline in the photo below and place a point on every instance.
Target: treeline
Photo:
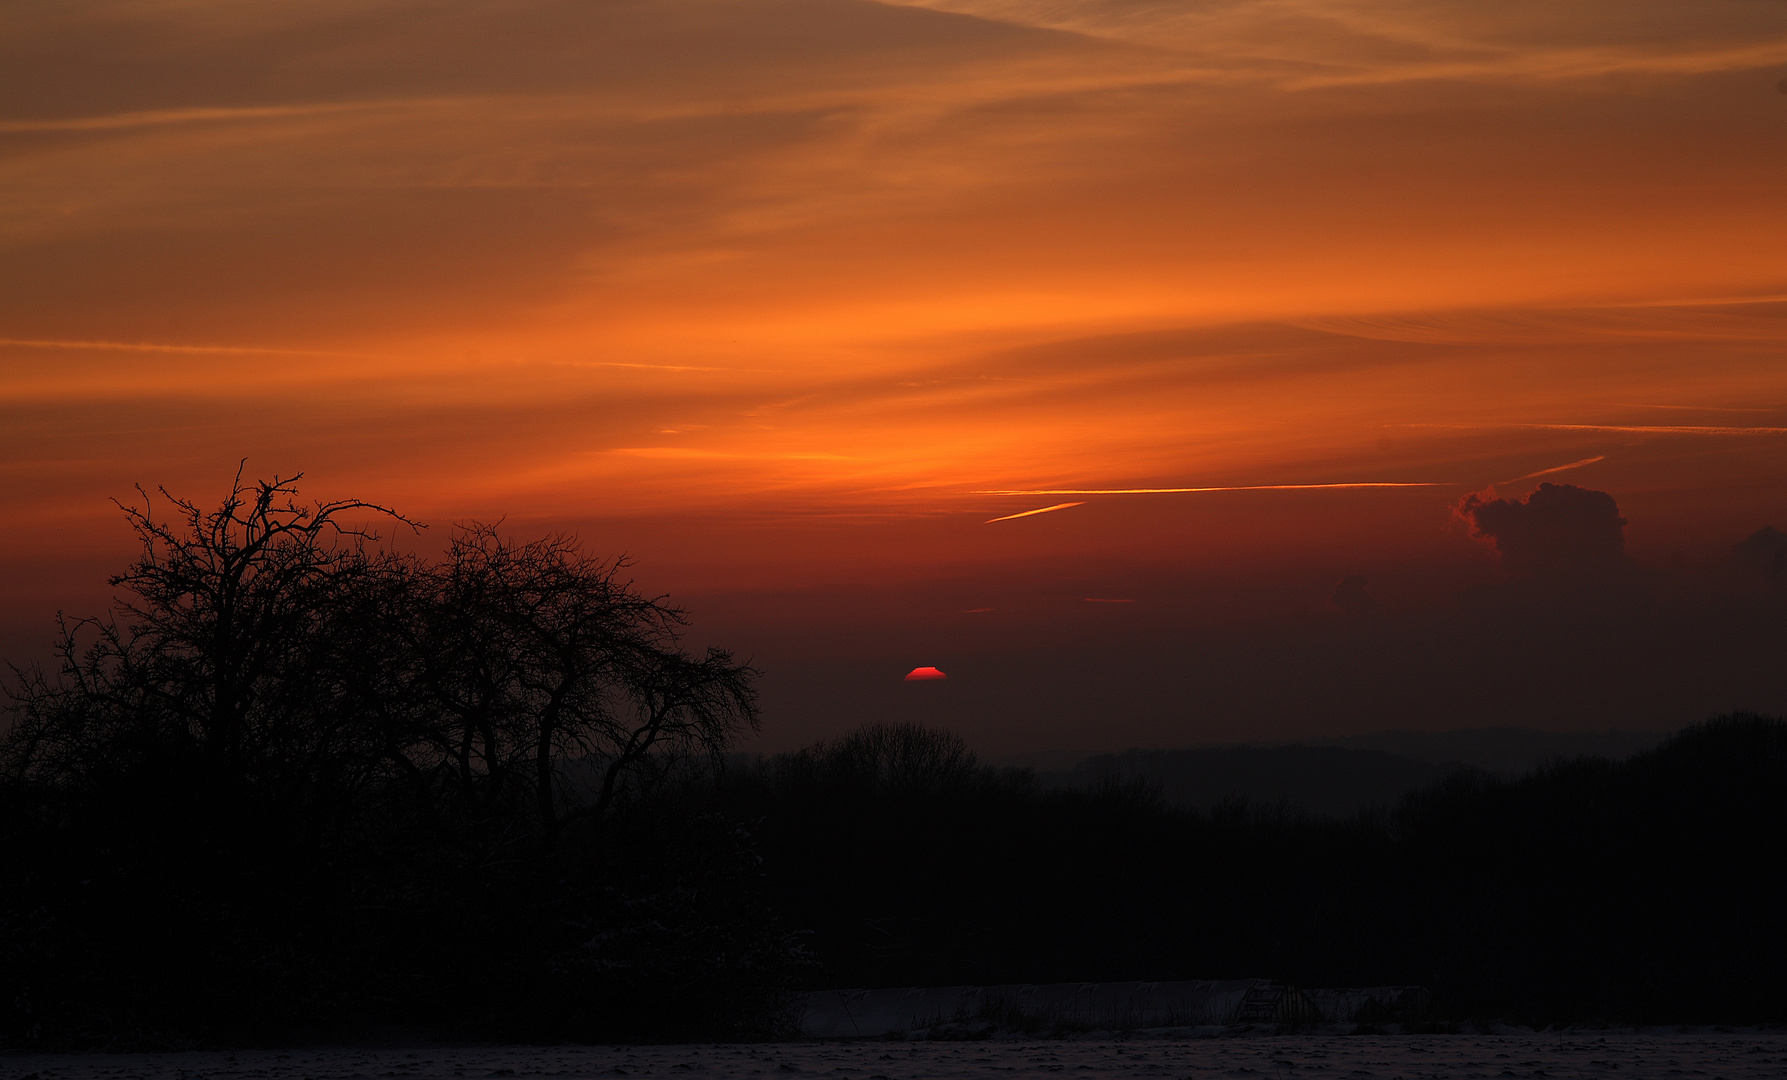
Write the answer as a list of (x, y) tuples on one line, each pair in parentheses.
[(1648, 890), (301, 787)]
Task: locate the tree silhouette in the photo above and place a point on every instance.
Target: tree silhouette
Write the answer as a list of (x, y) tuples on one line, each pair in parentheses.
[(533, 655), (232, 645), (274, 646), (296, 777)]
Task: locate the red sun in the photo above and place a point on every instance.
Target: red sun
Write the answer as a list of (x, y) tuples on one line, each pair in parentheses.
[(924, 674)]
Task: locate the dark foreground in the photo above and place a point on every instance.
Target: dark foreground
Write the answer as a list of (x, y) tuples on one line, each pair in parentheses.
[(1628, 1055)]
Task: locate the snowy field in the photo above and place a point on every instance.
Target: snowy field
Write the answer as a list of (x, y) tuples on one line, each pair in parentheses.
[(1627, 1056)]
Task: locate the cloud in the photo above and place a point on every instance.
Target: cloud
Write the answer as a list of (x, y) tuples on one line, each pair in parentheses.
[(1351, 597), (1315, 42), (1629, 429), (815, 270), (1559, 529), (1764, 550)]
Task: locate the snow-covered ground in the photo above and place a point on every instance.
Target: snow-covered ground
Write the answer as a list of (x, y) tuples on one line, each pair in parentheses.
[(1572, 1055)]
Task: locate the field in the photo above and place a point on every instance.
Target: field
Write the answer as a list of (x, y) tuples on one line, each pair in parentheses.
[(1548, 1056)]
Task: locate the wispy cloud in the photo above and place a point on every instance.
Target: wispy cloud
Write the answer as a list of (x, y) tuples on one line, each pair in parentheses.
[(875, 255), (166, 117), (1694, 408), (1636, 429), (1304, 43), (702, 453), (162, 347), (1663, 429)]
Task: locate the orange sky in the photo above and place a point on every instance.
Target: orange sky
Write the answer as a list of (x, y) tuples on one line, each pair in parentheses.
[(772, 292)]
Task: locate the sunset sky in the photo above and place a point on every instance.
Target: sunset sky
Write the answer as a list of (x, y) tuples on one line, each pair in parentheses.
[(806, 303)]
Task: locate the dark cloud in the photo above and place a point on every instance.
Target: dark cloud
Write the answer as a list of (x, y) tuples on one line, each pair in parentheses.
[(1560, 529), (1764, 550), (1351, 597)]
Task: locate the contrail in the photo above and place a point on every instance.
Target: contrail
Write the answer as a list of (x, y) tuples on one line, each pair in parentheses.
[(1027, 513), (1190, 490), (1556, 468)]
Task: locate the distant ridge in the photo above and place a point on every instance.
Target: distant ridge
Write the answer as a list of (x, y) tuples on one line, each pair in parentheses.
[(1052, 1008), (1506, 751), (1337, 776)]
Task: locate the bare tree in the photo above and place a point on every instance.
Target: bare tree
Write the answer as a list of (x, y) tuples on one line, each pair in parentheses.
[(272, 643), (906, 759), (229, 640), (539, 658), (291, 764)]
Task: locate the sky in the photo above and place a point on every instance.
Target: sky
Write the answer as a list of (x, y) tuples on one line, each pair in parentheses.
[(1164, 372)]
